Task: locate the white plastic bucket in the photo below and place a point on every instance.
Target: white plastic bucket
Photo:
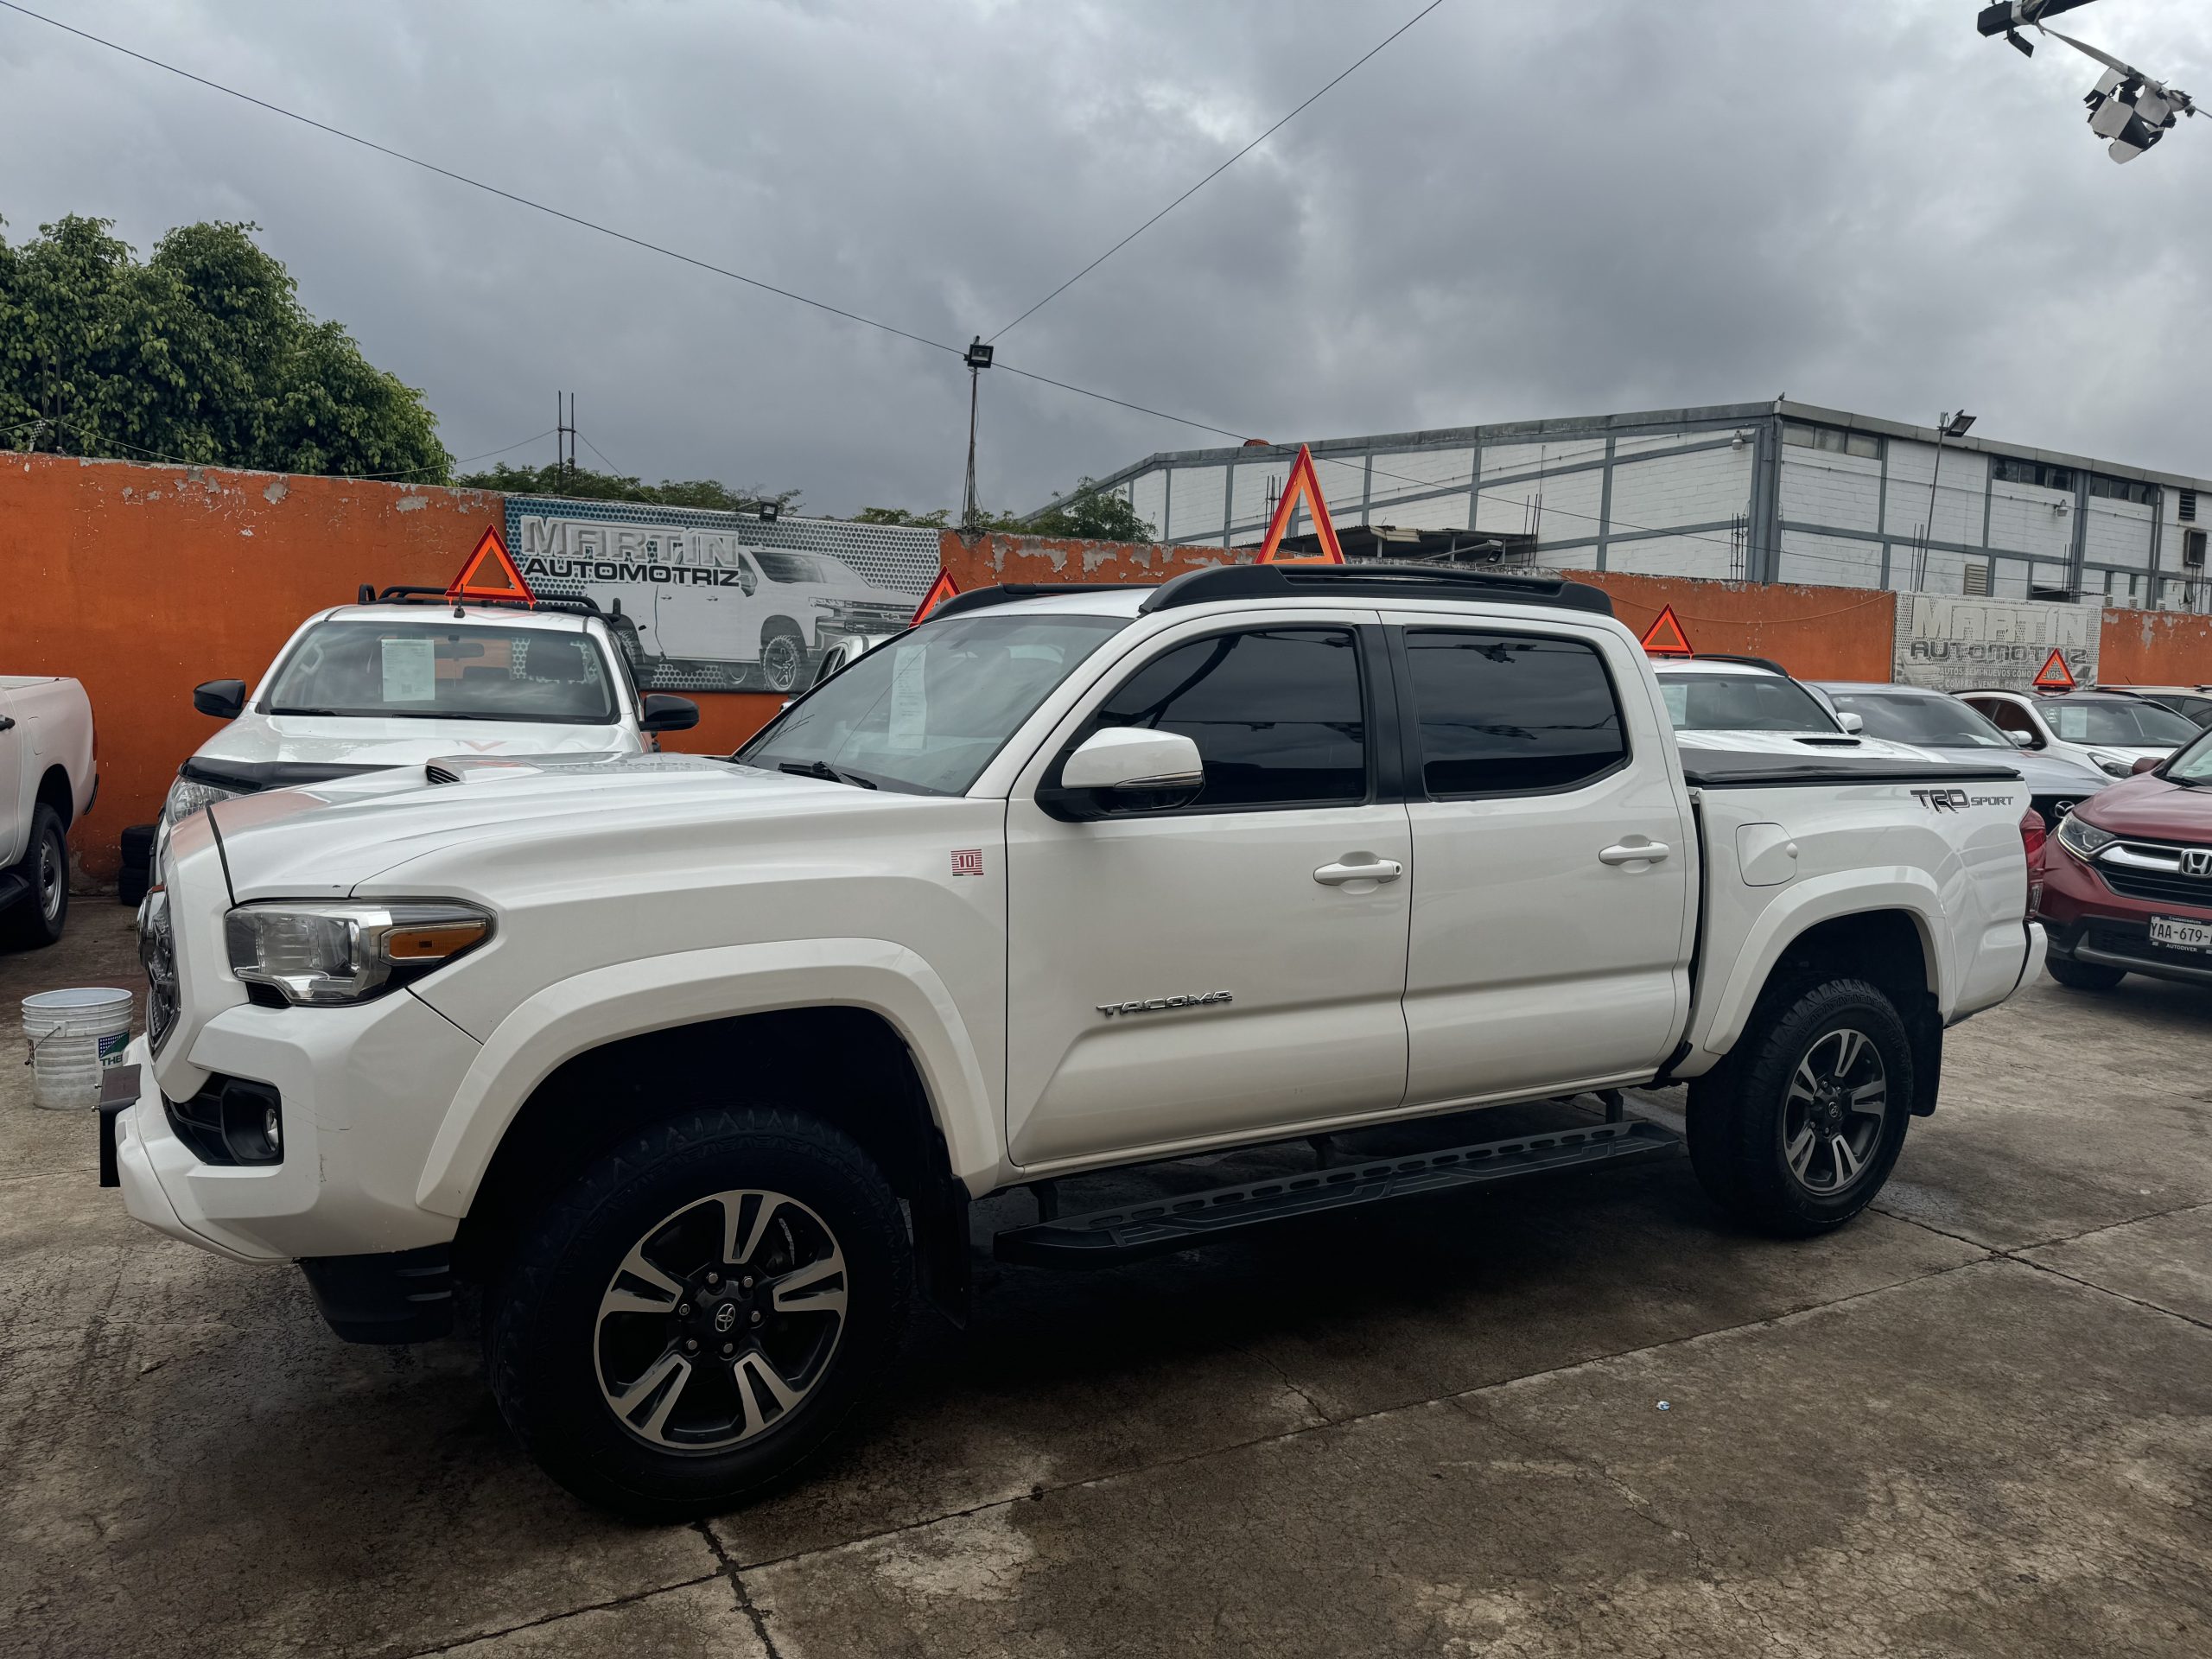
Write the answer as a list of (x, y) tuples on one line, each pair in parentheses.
[(72, 1035)]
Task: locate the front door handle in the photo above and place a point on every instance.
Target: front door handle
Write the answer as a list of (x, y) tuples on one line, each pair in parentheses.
[(1649, 851), (7, 723), (1359, 867)]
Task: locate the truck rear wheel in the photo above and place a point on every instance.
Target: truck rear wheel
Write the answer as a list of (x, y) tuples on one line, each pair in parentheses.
[(1798, 1129), (38, 917), (700, 1311)]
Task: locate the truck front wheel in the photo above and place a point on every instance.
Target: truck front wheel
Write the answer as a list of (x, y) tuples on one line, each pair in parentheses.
[(1797, 1131), (700, 1311)]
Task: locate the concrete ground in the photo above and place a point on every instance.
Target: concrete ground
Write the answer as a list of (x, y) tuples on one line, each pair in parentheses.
[(1579, 1417)]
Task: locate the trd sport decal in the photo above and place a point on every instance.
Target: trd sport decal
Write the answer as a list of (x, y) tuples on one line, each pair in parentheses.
[(1956, 800)]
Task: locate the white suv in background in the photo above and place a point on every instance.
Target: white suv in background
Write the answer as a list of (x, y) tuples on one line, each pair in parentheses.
[(414, 675), (2108, 730)]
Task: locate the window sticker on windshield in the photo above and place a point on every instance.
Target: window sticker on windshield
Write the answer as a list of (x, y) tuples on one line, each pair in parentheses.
[(410, 670), (909, 700)]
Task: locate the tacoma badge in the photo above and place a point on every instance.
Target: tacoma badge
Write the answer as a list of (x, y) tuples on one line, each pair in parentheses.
[(1154, 1005)]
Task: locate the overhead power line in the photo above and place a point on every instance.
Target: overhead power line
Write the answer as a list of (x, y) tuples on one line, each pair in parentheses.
[(1344, 75), (591, 225)]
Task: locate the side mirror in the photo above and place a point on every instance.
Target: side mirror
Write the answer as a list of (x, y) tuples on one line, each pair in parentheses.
[(2147, 763), (666, 714), (225, 699), (1850, 722), (1126, 769), (2021, 740)]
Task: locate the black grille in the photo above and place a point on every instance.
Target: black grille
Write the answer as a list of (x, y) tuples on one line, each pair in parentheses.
[(2174, 888), (2122, 939)]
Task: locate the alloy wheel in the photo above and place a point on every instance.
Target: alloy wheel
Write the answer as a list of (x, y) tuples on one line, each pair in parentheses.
[(1833, 1116), (720, 1321)]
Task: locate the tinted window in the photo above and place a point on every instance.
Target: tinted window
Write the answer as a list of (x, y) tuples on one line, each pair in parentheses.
[(2008, 715), (1276, 714), (1500, 713)]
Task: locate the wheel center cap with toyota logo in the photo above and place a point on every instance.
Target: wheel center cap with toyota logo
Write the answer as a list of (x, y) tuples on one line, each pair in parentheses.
[(726, 1317)]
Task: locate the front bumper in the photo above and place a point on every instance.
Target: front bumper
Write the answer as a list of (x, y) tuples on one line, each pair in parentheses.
[(364, 1090), (2088, 922)]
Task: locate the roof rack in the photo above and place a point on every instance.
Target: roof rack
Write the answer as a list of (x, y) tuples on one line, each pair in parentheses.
[(582, 602), (979, 598), (1374, 581), (1766, 663)]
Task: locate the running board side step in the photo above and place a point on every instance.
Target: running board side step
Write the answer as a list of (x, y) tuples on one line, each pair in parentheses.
[(1108, 1237)]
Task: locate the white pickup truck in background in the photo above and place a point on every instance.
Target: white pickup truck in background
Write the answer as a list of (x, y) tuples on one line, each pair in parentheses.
[(47, 780), (694, 1064)]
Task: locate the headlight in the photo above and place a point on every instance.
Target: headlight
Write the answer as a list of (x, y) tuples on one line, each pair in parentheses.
[(332, 954), (188, 796), (2115, 768), (2081, 839)]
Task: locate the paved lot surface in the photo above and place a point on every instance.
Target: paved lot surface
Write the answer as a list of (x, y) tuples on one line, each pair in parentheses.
[(1979, 1422)]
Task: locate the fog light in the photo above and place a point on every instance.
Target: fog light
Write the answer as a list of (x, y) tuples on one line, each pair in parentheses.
[(272, 1126)]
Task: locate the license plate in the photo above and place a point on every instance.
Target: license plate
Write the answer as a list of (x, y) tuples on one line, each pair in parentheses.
[(2181, 935)]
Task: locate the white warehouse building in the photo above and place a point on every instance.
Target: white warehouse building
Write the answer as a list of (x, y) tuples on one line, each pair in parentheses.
[(1768, 492)]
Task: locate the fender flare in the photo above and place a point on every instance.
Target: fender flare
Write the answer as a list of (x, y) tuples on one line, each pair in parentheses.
[(1805, 906), (587, 1011)]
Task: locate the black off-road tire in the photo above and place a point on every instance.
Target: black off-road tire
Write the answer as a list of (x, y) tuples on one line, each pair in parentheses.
[(2083, 975), (37, 918), (542, 1322), (1739, 1112)]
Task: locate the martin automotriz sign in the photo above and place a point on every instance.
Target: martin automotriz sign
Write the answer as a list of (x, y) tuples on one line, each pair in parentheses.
[(1959, 645), (721, 601)]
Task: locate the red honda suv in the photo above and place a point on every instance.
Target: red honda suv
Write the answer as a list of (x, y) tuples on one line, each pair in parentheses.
[(2127, 878)]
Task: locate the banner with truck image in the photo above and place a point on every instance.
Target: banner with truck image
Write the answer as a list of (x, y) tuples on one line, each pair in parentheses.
[(721, 601)]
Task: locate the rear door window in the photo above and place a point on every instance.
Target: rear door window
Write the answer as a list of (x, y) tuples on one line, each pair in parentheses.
[(1503, 713)]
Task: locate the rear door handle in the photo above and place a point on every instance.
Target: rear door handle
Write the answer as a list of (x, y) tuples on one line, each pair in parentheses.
[(1649, 851), (1358, 867)]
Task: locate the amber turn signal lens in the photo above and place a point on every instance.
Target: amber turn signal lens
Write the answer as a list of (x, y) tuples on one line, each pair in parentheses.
[(434, 942)]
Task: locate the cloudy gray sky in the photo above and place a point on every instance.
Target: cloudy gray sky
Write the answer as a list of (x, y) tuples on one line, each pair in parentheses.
[(1519, 209)]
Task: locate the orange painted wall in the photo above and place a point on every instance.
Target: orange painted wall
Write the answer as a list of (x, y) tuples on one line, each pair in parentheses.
[(141, 581), (1817, 634), (2155, 648)]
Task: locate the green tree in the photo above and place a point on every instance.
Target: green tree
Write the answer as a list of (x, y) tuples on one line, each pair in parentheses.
[(202, 354), (582, 484), (1086, 513)]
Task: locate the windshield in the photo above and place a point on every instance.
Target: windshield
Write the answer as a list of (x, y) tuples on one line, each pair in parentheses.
[(925, 713), (2194, 764), (1742, 702), (2126, 721), (432, 671), (779, 566), (1938, 722)]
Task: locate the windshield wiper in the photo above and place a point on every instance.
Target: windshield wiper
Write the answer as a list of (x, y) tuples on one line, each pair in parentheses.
[(823, 770), (330, 713)]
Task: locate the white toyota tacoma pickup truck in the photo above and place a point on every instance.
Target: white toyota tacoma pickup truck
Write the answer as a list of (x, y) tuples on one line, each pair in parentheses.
[(693, 1065), (49, 778), (410, 675)]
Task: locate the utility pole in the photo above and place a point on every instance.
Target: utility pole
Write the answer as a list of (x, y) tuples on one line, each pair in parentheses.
[(564, 435), (1947, 425), (977, 358)]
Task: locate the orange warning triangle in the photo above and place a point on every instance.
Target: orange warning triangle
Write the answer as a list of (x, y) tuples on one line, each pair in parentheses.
[(940, 590), (489, 573), (1303, 487), (2055, 675), (1665, 638)]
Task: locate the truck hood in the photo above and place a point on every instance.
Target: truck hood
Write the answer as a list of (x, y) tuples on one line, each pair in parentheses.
[(325, 839), (256, 740), (2042, 773), (2149, 806)]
